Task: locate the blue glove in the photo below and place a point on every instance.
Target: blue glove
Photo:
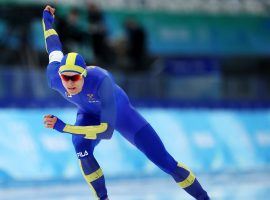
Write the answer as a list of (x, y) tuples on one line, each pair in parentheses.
[(59, 125)]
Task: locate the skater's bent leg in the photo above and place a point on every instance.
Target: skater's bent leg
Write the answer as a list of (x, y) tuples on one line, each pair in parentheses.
[(89, 166), (150, 144)]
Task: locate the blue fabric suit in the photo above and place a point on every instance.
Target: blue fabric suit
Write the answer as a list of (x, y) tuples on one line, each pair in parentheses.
[(103, 101)]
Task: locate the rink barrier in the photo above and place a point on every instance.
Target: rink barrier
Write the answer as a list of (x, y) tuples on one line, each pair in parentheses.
[(207, 141)]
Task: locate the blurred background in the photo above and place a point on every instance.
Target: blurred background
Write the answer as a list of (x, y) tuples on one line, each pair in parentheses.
[(198, 70)]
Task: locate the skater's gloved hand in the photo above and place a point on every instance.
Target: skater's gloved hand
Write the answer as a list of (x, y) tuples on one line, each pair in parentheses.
[(48, 14), (50, 121)]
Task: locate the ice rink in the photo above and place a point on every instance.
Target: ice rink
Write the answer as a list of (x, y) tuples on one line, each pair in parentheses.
[(233, 186)]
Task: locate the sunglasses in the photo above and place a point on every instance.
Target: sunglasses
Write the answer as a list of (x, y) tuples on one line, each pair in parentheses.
[(72, 78)]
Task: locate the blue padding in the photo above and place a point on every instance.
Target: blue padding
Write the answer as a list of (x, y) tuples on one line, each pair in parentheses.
[(205, 140)]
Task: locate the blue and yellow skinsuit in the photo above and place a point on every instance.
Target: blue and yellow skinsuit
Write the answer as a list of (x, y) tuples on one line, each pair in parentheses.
[(103, 107)]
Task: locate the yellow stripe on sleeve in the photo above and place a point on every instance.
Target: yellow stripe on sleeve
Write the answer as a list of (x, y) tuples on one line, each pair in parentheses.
[(90, 132), (43, 26), (49, 33)]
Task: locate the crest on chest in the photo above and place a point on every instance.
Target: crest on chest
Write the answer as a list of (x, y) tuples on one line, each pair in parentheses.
[(68, 95), (91, 98)]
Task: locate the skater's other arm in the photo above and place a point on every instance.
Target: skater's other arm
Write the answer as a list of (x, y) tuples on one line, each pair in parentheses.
[(89, 132), (52, 41), (52, 44)]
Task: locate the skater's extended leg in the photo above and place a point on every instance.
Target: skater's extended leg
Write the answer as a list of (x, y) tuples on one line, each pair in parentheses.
[(150, 144)]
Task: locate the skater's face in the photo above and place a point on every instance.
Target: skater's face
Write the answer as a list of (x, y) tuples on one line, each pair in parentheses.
[(72, 82)]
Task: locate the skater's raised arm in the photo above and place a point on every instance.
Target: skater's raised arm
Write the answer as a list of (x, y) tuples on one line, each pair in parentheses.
[(52, 41)]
